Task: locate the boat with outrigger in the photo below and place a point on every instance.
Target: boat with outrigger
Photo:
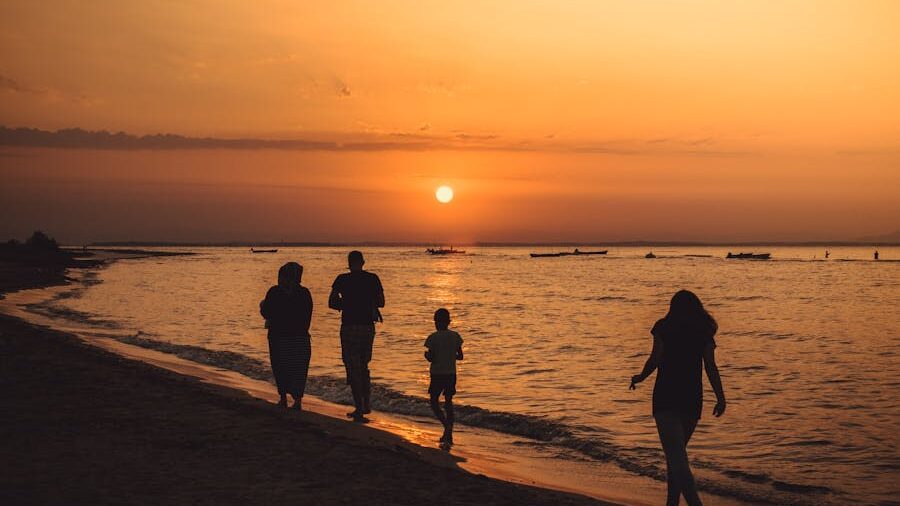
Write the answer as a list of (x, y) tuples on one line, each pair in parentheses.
[(576, 252), (445, 251), (254, 250), (749, 256)]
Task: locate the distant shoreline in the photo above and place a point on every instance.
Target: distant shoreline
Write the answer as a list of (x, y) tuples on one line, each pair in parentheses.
[(241, 244)]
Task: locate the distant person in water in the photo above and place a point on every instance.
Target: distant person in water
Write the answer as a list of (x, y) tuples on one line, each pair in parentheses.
[(287, 309), (876, 255), (358, 295), (683, 343), (444, 348)]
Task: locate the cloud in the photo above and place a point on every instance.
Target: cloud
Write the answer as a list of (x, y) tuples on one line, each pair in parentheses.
[(14, 86), (9, 84), (76, 138), (341, 88), (887, 151), (476, 137)]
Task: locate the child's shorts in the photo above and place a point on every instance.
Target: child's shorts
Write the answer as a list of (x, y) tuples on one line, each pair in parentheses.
[(442, 384)]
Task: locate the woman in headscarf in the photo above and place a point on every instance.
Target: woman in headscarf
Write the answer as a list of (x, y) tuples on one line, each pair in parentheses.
[(683, 345), (287, 309)]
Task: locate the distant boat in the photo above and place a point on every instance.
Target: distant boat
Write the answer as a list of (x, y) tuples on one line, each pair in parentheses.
[(445, 251), (650, 255), (252, 250), (568, 253), (749, 256)]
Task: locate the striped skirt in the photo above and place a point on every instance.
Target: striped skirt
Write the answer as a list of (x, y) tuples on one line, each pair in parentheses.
[(290, 363)]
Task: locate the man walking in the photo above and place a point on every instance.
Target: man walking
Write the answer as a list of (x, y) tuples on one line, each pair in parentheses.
[(357, 295)]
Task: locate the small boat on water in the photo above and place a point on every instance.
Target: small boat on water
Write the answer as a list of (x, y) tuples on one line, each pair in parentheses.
[(749, 256), (445, 251), (568, 253), (650, 255), (254, 250)]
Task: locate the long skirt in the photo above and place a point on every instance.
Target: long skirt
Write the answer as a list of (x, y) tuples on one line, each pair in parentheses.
[(290, 363)]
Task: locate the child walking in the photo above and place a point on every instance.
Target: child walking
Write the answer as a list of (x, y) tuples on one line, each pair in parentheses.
[(444, 349)]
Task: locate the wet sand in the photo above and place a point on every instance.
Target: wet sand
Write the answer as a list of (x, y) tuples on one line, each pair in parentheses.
[(83, 425)]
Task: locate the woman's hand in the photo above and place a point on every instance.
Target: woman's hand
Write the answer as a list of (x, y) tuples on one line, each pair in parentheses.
[(635, 380), (720, 408)]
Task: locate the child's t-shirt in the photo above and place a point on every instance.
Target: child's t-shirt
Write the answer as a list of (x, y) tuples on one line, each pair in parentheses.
[(443, 345)]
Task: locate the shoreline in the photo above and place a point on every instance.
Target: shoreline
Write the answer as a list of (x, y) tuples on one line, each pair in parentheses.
[(35, 401), (154, 434), (23, 275)]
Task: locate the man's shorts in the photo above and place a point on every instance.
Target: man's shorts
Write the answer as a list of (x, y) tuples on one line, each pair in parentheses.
[(356, 344), (442, 384)]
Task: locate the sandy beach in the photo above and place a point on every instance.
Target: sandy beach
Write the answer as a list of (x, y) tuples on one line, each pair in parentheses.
[(83, 425)]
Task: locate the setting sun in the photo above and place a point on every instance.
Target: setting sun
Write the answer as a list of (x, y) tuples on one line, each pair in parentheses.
[(444, 194)]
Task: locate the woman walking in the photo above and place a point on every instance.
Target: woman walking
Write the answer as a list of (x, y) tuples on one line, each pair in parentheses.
[(683, 344), (287, 309)]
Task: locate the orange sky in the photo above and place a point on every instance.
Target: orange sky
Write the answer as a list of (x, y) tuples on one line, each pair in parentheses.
[(570, 121)]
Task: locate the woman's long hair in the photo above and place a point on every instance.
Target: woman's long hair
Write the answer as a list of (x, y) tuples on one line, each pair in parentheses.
[(687, 312)]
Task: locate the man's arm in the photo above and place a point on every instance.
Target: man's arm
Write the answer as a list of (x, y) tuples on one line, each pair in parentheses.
[(379, 292), (459, 353), (264, 306), (334, 299)]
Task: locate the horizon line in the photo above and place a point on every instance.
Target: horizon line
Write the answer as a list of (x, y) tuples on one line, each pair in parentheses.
[(485, 244)]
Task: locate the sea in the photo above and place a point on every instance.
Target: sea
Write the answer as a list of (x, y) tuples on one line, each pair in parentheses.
[(807, 348)]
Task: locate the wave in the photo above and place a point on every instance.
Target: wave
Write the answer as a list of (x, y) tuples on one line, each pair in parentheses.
[(607, 298)]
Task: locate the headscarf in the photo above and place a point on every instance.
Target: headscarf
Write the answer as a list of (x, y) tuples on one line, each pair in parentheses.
[(289, 276)]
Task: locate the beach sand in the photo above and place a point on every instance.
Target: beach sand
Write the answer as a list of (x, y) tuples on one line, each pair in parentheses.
[(83, 425)]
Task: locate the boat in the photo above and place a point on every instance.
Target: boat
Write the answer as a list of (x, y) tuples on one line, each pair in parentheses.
[(445, 251), (650, 255), (253, 250), (576, 252), (749, 256)]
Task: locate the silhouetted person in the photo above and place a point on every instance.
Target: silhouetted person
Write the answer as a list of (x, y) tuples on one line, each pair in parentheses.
[(827, 254), (357, 295), (683, 344), (287, 309), (444, 349), (876, 255)]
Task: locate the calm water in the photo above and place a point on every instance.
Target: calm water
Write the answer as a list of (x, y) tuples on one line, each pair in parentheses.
[(807, 348)]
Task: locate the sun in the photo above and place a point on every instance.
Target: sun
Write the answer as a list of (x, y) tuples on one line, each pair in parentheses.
[(444, 194)]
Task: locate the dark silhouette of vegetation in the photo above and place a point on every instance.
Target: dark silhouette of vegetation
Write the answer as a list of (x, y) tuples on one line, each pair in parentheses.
[(39, 261), (39, 249)]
